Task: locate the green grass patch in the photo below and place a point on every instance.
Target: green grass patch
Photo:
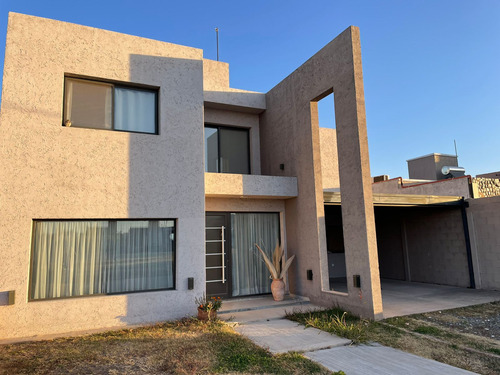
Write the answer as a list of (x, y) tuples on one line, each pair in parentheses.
[(494, 350), (335, 321), (428, 330)]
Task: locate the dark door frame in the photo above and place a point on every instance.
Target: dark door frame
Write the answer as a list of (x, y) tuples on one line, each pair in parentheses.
[(227, 249)]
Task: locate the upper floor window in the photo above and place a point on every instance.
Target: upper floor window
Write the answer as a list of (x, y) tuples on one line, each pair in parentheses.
[(226, 150), (104, 105)]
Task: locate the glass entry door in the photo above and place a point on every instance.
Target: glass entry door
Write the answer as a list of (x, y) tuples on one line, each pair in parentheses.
[(234, 266)]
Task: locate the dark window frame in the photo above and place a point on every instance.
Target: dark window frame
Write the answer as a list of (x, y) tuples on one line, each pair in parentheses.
[(118, 84), (174, 263), (218, 127)]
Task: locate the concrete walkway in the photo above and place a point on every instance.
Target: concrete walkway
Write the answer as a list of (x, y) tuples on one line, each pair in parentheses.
[(283, 335), (376, 359), (262, 321)]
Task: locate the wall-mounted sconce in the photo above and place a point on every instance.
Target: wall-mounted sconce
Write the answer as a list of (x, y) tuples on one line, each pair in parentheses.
[(356, 281), (309, 274), (12, 297)]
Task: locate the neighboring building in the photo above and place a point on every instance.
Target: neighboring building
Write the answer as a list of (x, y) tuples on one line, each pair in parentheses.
[(134, 180), (489, 175), (434, 167), (439, 242)]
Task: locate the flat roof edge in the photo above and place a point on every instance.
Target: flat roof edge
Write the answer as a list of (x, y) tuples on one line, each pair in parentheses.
[(407, 200)]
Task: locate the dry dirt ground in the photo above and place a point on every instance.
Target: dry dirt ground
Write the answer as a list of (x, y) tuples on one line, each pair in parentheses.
[(466, 337), (182, 347)]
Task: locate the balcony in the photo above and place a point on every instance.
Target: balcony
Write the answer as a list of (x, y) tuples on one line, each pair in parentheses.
[(226, 185)]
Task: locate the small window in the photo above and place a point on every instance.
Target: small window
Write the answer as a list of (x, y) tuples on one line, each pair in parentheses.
[(227, 150), (103, 105), (73, 258)]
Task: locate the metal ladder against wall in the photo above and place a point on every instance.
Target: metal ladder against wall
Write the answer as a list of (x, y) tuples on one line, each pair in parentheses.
[(222, 254)]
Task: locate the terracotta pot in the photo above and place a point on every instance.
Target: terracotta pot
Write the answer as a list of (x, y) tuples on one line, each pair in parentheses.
[(207, 315), (278, 289)]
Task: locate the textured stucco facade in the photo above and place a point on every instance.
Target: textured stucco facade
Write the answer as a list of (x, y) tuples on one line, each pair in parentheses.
[(484, 228), (53, 172), (459, 187), (50, 171), (290, 136), (329, 158)]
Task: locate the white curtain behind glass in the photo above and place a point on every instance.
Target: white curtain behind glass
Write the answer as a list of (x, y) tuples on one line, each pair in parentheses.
[(135, 110), (249, 272), (74, 258)]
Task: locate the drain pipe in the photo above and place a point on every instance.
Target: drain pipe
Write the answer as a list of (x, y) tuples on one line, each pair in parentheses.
[(463, 206)]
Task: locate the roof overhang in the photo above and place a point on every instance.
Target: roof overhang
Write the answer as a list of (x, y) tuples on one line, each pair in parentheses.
[(400, 200)]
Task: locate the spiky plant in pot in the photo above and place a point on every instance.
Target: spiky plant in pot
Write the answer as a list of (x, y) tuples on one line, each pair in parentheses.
[(277, 267)]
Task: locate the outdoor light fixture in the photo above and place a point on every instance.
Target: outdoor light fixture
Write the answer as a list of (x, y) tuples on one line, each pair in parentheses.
[(356, 280), (309, 274), (12, 297)]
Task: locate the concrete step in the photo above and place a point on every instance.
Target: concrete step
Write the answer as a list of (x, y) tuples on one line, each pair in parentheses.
[(260, 303), (262, 308)]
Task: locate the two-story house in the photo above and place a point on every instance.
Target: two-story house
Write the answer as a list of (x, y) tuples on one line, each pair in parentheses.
[(134, 179)]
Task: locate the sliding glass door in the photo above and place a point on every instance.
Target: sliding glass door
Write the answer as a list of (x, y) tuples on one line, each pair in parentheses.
[(249, 272), (234, 266)]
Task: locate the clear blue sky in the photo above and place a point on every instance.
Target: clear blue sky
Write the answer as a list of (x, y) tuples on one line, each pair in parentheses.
[(431, 68)]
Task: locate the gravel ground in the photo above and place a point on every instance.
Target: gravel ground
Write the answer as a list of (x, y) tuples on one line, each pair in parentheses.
[(483, 320)]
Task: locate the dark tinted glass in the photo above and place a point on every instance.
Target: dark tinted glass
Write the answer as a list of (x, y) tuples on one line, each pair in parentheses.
[(234, 153)]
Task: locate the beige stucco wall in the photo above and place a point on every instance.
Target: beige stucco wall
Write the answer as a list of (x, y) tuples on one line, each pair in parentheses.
[(50, 171), (329, 158), (484, 228), (227, 185), (459, 187), (215, 75), (290, 136)]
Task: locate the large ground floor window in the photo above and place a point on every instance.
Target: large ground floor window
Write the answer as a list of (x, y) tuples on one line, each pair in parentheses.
[(77, 258)]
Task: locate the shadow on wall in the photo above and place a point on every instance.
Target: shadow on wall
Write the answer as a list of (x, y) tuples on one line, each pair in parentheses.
[(166, 181)]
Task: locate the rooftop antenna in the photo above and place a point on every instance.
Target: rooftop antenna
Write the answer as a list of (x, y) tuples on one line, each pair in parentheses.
[(456, 153), (217, 38)]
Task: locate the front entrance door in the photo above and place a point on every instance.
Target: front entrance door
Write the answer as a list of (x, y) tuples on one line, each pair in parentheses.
[(217, 257)]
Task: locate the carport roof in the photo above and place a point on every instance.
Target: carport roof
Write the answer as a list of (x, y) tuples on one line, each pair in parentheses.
[(403, 200)]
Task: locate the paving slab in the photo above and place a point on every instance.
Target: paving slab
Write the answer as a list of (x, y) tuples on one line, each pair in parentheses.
[(376, 359), (282, 335), (279, 312), (404, 298)]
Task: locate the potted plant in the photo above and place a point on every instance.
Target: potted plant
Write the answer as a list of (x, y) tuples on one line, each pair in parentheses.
[(277, 267), (207, 307)]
